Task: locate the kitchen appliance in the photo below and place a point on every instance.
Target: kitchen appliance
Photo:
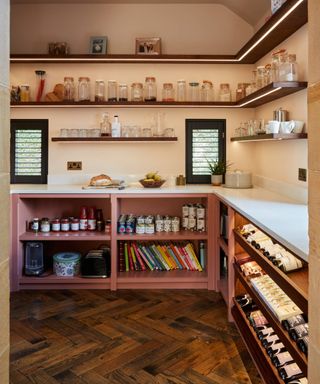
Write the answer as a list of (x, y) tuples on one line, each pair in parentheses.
[(34, 259), (97, 263), (238, 179)]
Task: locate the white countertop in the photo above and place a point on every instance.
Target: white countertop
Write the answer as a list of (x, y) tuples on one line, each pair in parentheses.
[(284, 219)]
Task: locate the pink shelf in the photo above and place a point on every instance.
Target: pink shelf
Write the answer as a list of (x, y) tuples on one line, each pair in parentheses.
[(53, 279), (65, 236), (173, 236), (223, 245), (223, 288)]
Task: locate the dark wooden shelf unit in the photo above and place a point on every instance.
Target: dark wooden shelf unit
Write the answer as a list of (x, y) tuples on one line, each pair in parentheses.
[(113, 139), (271, 137), (259, 355), (273, 32), (292, 347), (295, 284)]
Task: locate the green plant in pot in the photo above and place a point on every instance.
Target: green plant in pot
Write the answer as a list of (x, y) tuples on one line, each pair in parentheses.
[(218, 168)]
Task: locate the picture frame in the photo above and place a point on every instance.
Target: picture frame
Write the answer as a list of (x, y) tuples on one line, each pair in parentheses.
[(98, 45), (148, 46)]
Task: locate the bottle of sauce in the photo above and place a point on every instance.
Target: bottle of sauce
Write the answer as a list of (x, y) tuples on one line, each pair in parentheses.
[(83, 225), (92, 221)]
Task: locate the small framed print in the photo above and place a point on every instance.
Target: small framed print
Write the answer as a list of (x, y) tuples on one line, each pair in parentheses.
[(148, 46), (98, 45)]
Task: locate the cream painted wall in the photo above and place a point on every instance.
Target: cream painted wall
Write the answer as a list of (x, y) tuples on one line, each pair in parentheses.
[(184, 28)]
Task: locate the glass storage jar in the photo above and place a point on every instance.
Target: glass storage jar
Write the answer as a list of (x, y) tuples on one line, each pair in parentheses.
[(68, 90), (225, 92), (289, 69), (105, 125), (168, 92), (24, 92), (123, 92), (181, 90), (84, 89), (260, 76), (99, 90), (194, 91), (136, 92), (112, 90), (150, 89), (207, 91), (241, 91)]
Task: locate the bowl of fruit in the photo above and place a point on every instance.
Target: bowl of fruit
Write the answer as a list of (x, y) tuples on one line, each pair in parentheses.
[(152, 180)]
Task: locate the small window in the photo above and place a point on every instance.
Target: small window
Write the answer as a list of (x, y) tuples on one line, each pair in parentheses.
[(29, 151), (205, 140)]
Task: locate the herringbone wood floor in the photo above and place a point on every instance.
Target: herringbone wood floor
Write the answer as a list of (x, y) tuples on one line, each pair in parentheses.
[(125, 337)]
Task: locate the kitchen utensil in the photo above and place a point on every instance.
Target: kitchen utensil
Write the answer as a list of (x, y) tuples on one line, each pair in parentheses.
[(280, 115)]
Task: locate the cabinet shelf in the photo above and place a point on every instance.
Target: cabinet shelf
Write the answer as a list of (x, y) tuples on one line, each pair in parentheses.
[(113, 139), (271, 137), (163, 236), (292, 347), (292, 15), (60, 282), (295, 284), (65, 236)]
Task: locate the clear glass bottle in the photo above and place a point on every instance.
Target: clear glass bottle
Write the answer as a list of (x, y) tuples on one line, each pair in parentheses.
[(112, 91), (105, 125), (225, 92), (207, 91), (194, 91), (84, 89), (168, 92), (123, 92), (150, 89), (99, 90), (260, 77), (136, 92), (181, 90), (68, 90)]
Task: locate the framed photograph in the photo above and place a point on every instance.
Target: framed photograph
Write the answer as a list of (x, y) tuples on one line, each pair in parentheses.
[(148, 46), (98, 45)]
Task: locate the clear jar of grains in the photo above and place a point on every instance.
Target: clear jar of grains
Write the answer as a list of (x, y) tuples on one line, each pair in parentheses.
[(150, 89), (136, 92), (168, 92), (99, 90), (84, 89), (68, 90)]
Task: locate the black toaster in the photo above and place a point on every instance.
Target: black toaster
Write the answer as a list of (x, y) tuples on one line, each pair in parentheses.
[(96, 263)]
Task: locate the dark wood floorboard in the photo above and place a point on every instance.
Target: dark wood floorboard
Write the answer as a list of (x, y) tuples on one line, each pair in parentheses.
[(125, 337)]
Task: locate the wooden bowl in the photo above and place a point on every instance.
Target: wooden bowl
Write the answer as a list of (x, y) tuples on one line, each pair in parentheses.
[(150, 184)]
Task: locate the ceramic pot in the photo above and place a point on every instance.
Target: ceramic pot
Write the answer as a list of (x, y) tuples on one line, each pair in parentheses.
[(216, 179)]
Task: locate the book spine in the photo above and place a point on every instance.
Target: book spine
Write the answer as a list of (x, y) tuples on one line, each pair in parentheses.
[(121, 257), (143, 267), (190, 250), (134, 259), (181, 257), (170, 251), (165, 266), (130, 258), (164, 257), (126, 257), (186, 257)]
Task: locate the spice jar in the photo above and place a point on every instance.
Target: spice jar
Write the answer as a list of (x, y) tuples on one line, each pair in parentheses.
[(181, 90), (24, 92), (112, 90), (65, 225), (84, 89), (55, 225), (136, 92), (123, 92), (224, 93), (45, 225), (75, 224), (167, 92), (194, 91), (150, 89), (99, 90), (68, 89), (207, 91), (107, 226)]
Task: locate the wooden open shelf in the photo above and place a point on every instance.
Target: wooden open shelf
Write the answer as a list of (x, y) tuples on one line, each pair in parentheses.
[(114, 139), (164, 236), (295, 284), (271, 137), (65, 236), (288, 19), (292, 347), (259, 355)]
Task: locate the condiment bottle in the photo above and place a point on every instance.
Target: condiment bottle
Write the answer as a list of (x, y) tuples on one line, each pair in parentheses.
[(194, 91), (83, 225), (112, 90), (167, 92), (68, 90), (207, 91), (84, 89), (55, 225), (150, 89), (92, 222), (105, 125), (75, 224), (35, 225), (99, 90), (100, 221), (65, 225), (45, 225)]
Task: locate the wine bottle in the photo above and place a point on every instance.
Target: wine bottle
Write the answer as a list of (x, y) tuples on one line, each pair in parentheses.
[(293, 321), (275, 349), (289, 263), (282, 358), (303, 380), (290, 372), (303, 344), (265, 332), (269, 340), (299, 331), (246, 303)]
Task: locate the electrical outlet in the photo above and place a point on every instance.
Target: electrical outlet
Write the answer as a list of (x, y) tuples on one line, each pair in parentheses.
[(74, 165), (302, 174)]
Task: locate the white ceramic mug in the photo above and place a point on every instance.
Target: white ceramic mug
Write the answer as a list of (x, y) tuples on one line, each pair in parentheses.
[(286, 127), (297, 126), (273, 126)]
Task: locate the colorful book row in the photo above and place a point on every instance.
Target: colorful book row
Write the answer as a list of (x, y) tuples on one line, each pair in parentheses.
[(137, 256)]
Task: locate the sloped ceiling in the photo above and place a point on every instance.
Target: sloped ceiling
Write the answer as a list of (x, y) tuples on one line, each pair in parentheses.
[(250, 10)]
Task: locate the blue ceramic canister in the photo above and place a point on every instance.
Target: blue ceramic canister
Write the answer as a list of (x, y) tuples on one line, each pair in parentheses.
[(66, 264)]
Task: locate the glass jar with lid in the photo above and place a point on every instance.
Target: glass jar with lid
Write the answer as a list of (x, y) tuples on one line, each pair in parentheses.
[(224, 92), (168, 92), (123, 92), (275, 64), (84, 89), (99, 90), (241, 91), (289, 69), (68, 89), (150, 89), (260, 76), (136, 92), (194, 91), (181, 90), (112, 91), (105, 125), (207, 91)]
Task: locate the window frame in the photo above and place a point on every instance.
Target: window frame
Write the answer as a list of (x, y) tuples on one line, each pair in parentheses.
[(191, 124), (30, 124)]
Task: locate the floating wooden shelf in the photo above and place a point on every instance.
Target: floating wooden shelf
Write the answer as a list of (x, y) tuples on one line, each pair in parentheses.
[(271, 137), (284, 336), (65, 236), (113, 139), (288, 19)]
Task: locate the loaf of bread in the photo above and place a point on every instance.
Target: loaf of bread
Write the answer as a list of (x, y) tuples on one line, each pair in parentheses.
[(57, 94), (100, 180)]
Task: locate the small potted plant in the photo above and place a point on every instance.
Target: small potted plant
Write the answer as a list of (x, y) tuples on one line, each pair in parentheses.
[(218, 168)]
